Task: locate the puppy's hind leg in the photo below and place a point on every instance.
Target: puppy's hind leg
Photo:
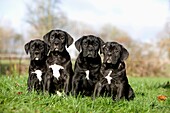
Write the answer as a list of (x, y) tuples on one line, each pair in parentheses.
[(113, 94), (47, 85), (120, 92), (97, 90), (30, 83), (66, 86), (74, 86), (130, 93)]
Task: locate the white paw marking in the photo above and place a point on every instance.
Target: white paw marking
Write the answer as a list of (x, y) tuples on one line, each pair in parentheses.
[(38, 74), (87, 74), (109, 78), (56, 69), (59, 93)]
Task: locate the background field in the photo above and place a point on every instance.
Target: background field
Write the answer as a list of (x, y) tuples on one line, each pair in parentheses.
[(14, 98)]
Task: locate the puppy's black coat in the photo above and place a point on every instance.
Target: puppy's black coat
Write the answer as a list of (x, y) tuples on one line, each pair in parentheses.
[(38, 50), (87, 65), (58, 57), (113, 80)]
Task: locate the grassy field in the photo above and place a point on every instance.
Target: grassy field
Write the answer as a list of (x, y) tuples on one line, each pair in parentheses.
[(14, 98)]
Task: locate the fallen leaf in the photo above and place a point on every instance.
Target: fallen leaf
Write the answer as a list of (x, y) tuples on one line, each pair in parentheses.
[(19, 93), (162, 97)]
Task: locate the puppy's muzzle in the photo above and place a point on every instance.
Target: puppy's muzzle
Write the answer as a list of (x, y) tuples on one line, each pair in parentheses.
[(56, 46), (37, 55), (109, 58), (90, 52)]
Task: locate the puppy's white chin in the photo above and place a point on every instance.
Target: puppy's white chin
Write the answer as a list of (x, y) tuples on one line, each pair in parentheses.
[(56, 49), (36, 58), (109, 61)]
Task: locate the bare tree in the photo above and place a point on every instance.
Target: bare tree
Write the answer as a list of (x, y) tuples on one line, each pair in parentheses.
[(6, 34), (164, 40), (112, 33), (44, 15)]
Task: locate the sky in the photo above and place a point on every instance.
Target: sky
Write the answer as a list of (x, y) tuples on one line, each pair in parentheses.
[(141, 19)]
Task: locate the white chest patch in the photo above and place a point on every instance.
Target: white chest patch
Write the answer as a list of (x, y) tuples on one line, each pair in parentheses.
[(109, 78), (38, 74), (56, 69), (87, 74)]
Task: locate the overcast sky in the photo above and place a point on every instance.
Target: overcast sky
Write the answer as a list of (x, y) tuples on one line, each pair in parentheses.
[(141, 19)]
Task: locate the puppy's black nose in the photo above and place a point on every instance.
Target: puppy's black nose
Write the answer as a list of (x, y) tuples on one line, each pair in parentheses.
[(109, 53), (56, 43), (90, 48), (36, 52)]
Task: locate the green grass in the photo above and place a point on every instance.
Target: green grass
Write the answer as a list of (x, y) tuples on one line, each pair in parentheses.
[(14, 98)]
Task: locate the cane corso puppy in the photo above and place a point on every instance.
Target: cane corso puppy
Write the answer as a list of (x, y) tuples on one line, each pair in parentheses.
[(38, 50), (87, 65), (114, 81), (60, 72)]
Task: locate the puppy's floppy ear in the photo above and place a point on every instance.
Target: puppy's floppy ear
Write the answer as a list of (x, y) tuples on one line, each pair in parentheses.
[(101, 45), (46, 37), (102, 48), (69, 40), (27, 47), (124, 54), (78, 43)]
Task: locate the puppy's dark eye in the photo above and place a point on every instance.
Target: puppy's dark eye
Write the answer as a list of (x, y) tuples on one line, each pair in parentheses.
[(62, 37), (52, 37), (32, 47), (85, 43), (96, 44), (40, 46)]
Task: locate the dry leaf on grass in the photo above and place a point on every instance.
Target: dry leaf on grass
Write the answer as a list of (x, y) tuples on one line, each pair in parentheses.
[(162, 98), (19, 93)]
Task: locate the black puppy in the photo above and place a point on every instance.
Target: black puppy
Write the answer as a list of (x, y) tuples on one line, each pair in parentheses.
[(38, 50), (87, 65), (114, 81), (60, 72)]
